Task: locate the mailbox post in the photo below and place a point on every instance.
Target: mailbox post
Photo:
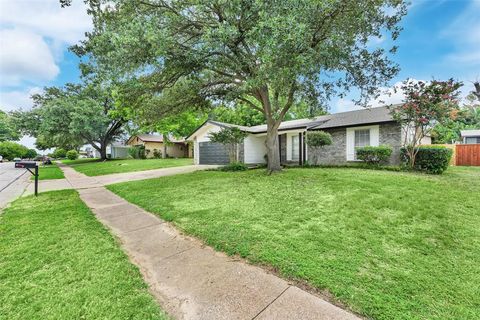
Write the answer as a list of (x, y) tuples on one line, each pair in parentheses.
[(30, 165)]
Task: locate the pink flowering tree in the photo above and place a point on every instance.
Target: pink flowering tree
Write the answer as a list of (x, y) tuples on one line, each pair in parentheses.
[(425, 105)]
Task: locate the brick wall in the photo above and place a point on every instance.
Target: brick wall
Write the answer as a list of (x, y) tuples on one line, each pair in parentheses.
[(390, 134)]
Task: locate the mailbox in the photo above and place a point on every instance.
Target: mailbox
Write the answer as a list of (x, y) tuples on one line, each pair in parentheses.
[(26, 164), (30, 165)]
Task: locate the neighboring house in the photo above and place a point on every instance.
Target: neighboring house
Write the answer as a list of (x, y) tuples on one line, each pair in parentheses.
[(349, 130), (470, 136), (176, 148), (115, 150)]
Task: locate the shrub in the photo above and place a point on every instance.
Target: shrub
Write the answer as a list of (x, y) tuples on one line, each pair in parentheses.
[(72, 154), (137, 152), (430, 159), (318, 139), (30, 154), (235, 166), (10, 150), (374, 156), (157, 154), (59, 153)]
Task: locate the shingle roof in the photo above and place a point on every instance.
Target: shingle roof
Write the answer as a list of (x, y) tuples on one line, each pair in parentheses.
[(342, 119), (350, 118), (470, 133)]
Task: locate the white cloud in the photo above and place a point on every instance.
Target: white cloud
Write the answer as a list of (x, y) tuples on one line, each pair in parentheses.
[(343, 105), (47, 18), (34, 35), (388, 96), (25, 57), (16, 99)]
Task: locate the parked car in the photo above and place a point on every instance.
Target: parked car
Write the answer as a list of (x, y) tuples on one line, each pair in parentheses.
[(1, 159), (17, 159)]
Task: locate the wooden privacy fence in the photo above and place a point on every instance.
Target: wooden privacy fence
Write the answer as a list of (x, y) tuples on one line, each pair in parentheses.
[(467, 154)]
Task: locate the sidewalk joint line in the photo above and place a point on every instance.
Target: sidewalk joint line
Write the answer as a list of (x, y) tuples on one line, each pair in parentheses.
[(268, 305), (176, 253), (138, 229)]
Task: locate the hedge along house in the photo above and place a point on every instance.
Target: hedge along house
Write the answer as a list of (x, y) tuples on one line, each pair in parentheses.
[(175, 148), (349, 130)]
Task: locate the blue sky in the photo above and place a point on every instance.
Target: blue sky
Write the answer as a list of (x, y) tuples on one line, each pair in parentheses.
[(441, 39)]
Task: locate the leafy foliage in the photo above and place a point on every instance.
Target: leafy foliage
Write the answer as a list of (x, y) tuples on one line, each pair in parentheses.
[(30, 154), (8, 130), (374, 156), (72, 154), (266, 55), (239, 114), (317, 139), (234, 166), (157, 154), (430, 159), (75, 114), (10, 150), (59, 153), (230, 137), (468, 117), (137, 152), (425, 105)]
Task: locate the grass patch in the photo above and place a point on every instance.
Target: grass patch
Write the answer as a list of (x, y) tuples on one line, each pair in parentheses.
[(94, 167), (390, 245), (48, 172), (58, 262)]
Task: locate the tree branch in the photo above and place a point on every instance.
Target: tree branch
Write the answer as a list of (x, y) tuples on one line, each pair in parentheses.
[(251, 104)]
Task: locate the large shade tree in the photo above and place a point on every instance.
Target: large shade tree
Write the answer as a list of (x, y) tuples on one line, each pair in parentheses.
[(73, 115), (266, 54), (8, 130)]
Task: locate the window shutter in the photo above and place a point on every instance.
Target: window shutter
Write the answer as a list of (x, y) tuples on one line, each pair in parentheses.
[(375, 136), (350, 144)]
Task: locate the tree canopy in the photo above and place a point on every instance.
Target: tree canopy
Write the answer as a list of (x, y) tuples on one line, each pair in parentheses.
[(73, 115), (265, 54), (8, 130), (467, 117)]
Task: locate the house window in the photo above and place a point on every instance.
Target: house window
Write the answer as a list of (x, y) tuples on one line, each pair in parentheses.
[(362, 139), (295, 148), (472, 140)]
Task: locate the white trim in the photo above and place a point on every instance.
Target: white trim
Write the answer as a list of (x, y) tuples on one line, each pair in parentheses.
[(350, 143)]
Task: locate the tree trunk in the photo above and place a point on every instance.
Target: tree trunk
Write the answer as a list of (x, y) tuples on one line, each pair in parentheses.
[(164, 152), (273, 152), (103, 151)]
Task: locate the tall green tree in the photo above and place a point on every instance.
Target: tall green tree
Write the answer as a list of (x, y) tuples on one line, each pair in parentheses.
[(266, 54), (177, 126), (467, 117), (8, 130)]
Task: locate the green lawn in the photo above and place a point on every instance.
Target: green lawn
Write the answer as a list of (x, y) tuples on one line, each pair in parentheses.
[(47, 172), (389, 245), (58, 262), (94, 167)]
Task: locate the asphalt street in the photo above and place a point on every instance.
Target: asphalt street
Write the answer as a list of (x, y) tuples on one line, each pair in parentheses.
[(12, 182)]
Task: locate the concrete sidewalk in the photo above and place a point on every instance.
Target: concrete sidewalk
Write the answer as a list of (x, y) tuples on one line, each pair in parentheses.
[(78, 180), (191, 280)]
